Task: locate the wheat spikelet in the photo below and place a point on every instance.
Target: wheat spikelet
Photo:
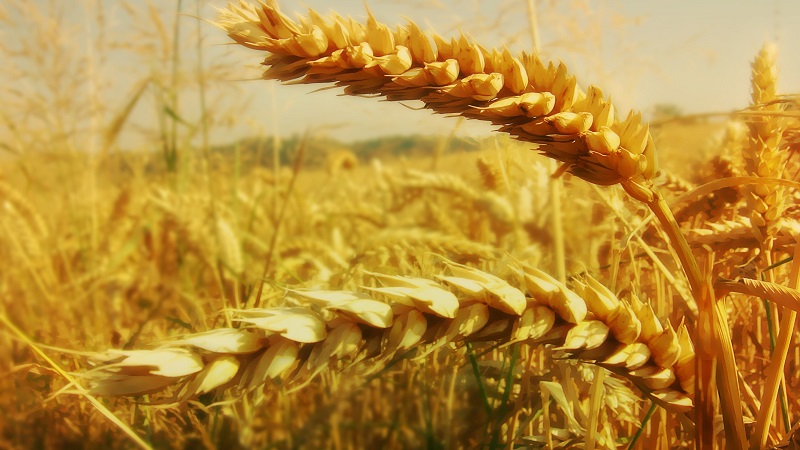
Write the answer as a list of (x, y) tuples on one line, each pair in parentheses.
[(532, 100), (497, 206), (322, 329)]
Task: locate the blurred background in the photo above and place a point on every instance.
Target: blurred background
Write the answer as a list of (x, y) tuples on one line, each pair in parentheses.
[(149, 179)]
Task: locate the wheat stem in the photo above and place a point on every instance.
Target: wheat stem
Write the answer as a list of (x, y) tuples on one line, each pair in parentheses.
[(712, 330)]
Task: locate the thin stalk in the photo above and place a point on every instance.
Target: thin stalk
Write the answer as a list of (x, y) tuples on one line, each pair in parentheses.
[(782, 388), (276, 149), (533, 24), (641, 428), (727, 376), (596, 397), (788, 259), (473, 361), (770, 324), (770, 313)]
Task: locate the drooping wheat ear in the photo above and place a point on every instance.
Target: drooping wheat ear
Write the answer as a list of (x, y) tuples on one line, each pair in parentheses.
[(761, 155), (331, 330), (534, 101)]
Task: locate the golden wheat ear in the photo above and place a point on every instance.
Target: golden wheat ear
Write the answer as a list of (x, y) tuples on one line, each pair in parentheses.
[(532, 100), (762, 155), (335, 329)]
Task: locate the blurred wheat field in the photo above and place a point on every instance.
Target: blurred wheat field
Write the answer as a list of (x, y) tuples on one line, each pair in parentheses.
[(175, 246)]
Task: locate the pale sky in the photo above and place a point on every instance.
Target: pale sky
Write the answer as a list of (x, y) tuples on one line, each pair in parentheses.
[(693, 54)]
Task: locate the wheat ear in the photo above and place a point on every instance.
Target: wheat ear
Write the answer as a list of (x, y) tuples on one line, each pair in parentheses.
[(321, 329), (532, 100), (761, 155)]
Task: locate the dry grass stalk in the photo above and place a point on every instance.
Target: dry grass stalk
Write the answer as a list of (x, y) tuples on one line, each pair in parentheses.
[(322, 329), (533, 101)]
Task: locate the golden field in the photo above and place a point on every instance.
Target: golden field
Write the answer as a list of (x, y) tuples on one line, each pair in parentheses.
[(429, 293)]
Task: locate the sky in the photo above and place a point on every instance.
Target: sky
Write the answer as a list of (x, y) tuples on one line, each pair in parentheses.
[(694, 55)]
